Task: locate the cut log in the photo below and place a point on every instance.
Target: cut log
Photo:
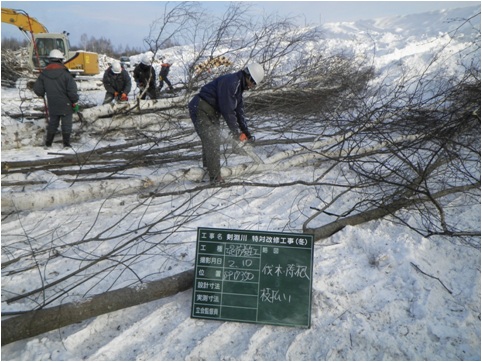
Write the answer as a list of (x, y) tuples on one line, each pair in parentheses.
[(44, 320)]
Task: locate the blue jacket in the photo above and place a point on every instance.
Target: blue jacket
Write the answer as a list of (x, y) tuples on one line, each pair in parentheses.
[(225, 95)]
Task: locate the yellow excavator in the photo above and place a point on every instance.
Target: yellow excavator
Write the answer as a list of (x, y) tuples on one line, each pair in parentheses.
[(42, 42)]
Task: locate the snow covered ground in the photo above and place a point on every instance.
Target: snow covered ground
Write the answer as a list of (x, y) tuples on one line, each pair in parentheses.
[(380, 290)]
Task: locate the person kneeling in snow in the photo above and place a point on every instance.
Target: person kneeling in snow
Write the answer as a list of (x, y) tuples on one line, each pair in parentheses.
[(117, 83), (62, 97)]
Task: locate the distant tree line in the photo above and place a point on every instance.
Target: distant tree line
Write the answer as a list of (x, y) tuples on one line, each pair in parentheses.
[(104, 46), (13, 44), (99, 45)]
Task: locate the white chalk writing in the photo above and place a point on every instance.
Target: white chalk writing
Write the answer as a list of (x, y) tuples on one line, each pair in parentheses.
[(291, 270), (238, 275), (241, 250), (272, 296)]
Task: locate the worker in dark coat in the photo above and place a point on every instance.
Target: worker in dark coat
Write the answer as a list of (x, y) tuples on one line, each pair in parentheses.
[(222, 97), (145, 77), (165, 68), (62, 97), (117, 83)]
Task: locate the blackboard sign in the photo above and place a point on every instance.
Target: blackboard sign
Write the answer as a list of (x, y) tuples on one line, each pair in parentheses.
[(253, 276)]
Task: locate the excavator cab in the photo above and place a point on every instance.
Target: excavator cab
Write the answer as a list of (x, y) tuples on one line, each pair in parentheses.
[(78, 62), (44, 44)]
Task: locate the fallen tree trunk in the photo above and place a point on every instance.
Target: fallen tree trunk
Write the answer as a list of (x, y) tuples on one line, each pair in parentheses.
[(44, 320), (132, 107), (330, 229), (36, 200)]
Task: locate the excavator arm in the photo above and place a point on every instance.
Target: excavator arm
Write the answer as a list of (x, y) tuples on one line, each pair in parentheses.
[(23, 21)]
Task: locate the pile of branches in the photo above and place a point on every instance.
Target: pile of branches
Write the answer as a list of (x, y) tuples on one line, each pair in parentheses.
[(13, 67)]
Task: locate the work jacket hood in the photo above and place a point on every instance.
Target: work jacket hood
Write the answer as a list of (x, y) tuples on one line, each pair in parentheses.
[(54, 70)]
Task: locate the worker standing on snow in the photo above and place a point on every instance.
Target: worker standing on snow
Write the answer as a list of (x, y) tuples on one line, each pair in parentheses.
[(62, 97), (165, 68), (145, 77), (117, 83), (223, 96)]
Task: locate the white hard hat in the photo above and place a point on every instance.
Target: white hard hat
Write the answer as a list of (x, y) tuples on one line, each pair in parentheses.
[(256, 72), (116, 67), (146, 59), (56, 54)]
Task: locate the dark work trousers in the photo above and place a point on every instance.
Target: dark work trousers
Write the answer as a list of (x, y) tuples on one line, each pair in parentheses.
[(54, 122), (206, 122), (151, 92), (161, 83)]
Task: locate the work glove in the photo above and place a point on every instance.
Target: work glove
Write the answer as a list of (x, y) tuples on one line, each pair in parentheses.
[(243, 137), (160, 78), (75, 107), (123, 97), (246, 136)]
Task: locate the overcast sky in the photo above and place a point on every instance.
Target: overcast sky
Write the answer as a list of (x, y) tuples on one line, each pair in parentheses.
[(128, 22)]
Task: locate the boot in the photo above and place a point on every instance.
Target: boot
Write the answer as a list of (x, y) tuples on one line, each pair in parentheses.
[(216, 180), (66, 139), (49, 139)]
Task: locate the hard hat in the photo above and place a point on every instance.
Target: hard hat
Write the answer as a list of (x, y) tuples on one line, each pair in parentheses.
[(56, 54), (116, 67), (256, 72), (146, 59)]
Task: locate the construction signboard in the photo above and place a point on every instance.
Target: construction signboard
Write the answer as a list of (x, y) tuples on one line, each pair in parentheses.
[(253, 276)]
